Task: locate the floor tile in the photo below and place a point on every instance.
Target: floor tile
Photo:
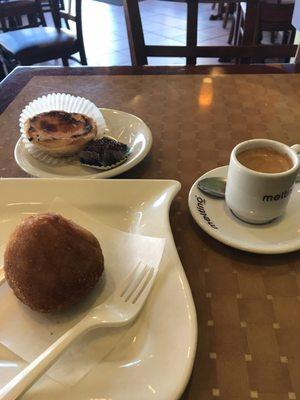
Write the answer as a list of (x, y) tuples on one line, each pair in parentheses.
[(152, 38)]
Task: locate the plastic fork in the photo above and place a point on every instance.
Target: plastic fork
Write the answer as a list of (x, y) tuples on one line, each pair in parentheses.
[(121, 308)]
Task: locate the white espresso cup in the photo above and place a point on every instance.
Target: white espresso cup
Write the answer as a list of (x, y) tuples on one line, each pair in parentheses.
[(259, 197)]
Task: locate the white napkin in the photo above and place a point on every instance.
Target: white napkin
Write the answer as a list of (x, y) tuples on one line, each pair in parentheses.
[(28, 333)]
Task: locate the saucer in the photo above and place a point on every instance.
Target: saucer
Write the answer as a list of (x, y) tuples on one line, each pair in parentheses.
[(126, 128), (282, 235)]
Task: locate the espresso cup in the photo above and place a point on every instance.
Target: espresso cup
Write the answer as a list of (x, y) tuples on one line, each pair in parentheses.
[(259, 197)]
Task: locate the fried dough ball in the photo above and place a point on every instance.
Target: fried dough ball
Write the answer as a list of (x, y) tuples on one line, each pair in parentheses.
[(52, 263)]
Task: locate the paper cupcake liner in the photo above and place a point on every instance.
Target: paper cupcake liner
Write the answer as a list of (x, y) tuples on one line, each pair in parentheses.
[(63, 102), (46, 158), (41, 156), (59, 102), (108, 166)]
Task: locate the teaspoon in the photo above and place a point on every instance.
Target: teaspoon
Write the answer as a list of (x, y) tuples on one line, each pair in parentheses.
[(214, 186)]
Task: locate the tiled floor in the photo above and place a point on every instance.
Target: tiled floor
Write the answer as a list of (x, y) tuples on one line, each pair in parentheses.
[(164, 23)]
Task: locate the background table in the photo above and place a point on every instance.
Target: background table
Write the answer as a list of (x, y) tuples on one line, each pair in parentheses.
[(248, 305)]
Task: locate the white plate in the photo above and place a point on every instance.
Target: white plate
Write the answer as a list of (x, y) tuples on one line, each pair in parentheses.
[(215, 218), (155, 357), (122, 126)]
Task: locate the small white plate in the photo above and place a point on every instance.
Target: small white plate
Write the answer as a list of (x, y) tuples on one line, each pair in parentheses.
[(122, 126), (154, 358), (215, 218)]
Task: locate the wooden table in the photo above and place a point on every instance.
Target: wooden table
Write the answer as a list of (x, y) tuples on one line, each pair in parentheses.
[(248, 305)]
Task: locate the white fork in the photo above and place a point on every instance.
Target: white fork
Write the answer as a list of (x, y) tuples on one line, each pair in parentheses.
[(119, 309), (2, 276)]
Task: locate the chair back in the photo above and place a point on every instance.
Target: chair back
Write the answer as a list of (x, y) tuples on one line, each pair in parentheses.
[(46, 6), (20, 14), (72, 12), (140, 51), (276, 16)]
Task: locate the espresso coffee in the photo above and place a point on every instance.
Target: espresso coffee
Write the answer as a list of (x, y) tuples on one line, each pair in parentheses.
[(265, 159)]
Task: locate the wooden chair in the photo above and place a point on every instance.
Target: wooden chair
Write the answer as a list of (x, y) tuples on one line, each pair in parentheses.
[(38, 44), (238, 24), (245, 51), (272, 18), (277, 18), (14, 12), (220, 11), (46, 7)]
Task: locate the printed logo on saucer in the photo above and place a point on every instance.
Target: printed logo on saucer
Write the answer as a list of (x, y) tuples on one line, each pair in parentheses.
[(200, 207), (279, 196)]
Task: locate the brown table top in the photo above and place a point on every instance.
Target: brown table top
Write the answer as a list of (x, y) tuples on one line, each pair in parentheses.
[(248, 305)]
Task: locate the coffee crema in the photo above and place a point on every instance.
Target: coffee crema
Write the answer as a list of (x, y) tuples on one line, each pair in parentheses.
[(265, 159)]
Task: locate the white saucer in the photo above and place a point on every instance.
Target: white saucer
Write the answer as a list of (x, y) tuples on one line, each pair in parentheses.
[(215, 218), (122, 126)]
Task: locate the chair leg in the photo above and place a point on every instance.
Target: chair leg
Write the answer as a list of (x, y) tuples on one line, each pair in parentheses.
[(32, 19), (7, 65), (229, 41), (293, 35), (219, 14), (11, 22), (4, 69), (239, 34), (259, 37), (221, 10), (83, 57), (288, 38), (226, 15), (65, 62), (19, 21), (237, 25), (2, 73), (273, 37), (285, 37), (230, 37), (285, 40), (67, 23)]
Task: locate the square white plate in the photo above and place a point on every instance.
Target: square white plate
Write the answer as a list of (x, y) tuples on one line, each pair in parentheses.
[(154, 359)]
